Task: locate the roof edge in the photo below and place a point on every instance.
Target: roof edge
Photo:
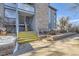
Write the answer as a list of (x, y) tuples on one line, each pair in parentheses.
[(52, 7)]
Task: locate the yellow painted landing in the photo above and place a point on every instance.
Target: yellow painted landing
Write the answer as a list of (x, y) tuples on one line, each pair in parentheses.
[(25, 37)]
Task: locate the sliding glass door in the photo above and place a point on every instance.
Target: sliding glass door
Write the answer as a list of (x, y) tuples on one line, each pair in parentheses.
[(10, 20), (25, 23), (21, 23)]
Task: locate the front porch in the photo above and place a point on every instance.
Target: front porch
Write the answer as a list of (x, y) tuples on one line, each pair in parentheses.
[(22, 31)]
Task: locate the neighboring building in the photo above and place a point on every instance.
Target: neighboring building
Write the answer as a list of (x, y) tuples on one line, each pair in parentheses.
[(52, 15), (28, 16)]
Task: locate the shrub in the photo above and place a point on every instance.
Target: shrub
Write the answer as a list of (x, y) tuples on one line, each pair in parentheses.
[(77, 30), (52, 32)]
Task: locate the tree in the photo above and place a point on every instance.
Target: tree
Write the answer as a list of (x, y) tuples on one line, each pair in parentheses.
[(75, 9), (64, 24)]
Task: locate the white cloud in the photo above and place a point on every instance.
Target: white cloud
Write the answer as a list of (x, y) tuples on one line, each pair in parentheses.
[(75, 22)]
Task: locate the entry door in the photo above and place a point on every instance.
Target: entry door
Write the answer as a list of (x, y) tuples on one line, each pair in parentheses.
[(29, 23), (21, 23)]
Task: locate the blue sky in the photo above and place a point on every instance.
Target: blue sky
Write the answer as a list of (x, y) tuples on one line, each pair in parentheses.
[(64, 9)]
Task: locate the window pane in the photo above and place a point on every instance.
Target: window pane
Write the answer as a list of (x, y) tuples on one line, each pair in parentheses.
[(10, 25), (10, 20)]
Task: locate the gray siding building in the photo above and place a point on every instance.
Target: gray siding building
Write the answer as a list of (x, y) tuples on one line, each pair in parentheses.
[(37, 17)]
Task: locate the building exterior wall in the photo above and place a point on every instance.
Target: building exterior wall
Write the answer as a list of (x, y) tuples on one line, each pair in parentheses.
[(41, 15)]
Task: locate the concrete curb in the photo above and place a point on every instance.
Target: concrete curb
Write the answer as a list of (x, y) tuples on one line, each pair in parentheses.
[(61, 36)]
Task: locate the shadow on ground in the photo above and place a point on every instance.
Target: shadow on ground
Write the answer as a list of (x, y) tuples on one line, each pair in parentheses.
[(53, 53), (23, 48)]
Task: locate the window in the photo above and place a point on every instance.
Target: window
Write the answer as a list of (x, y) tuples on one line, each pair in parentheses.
[(21, 19), (10, 25), (52, 19), (29, 23), (10, 13), (10, 20), (21, 23)]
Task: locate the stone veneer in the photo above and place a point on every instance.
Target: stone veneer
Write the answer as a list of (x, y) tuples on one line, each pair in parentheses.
[(41, 16)]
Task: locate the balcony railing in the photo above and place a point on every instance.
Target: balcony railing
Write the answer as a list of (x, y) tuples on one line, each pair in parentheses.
[(22, 7), (26, 7), (10, 4)]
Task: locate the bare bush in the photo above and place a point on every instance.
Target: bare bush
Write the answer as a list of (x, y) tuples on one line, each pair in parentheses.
[(52, 32)]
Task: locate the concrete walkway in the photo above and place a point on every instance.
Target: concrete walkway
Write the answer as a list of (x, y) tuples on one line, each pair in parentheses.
[(61, 47)]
